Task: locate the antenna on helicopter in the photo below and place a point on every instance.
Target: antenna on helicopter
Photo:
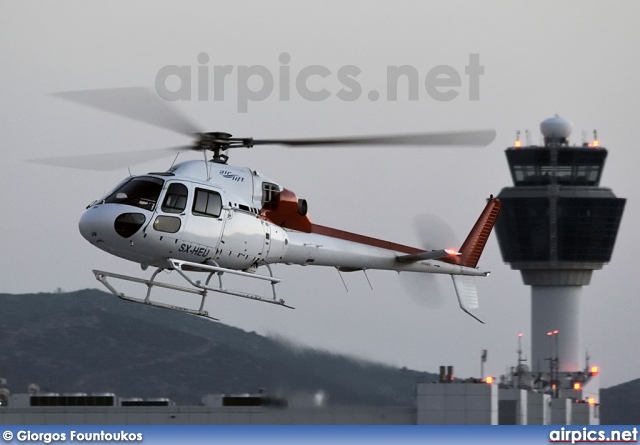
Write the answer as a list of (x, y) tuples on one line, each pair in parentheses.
[(174, 160)]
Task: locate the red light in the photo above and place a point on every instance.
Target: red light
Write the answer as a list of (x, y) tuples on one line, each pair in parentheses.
[(489, 380), (517, 144), (549, 333), (577, 386), (556, 332), (594, 370), (520, 334), (451, 251)]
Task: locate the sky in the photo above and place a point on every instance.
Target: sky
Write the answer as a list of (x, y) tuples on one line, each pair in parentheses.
[(576, 59)]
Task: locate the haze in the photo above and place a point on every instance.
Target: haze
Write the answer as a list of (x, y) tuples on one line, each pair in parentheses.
[(577, 59)]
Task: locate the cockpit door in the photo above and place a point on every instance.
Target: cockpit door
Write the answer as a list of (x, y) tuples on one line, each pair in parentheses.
[(169, 219), (204, 225)]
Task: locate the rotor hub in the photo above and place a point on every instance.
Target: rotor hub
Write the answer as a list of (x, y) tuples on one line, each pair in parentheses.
[(218, 142)]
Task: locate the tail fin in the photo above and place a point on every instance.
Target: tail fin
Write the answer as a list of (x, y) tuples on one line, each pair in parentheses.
[(476, 240), (470, 254)]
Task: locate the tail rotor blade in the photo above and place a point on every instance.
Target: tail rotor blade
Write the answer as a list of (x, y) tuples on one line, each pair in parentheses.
[(434, 233), (423, 289)]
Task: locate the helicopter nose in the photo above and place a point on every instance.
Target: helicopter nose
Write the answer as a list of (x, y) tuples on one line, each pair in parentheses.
[(93, 225), (102, 224)]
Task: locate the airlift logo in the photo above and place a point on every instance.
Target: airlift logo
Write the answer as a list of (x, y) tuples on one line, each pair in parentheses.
[(230, 175)]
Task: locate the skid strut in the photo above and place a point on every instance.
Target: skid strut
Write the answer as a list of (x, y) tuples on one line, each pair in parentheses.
[(198, 288)]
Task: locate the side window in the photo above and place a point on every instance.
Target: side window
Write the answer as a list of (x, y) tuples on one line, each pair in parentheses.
[(207, 203), (175, 200), (169, 224), (269, 191)]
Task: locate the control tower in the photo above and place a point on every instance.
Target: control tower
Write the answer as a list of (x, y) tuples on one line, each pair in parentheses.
[(556, 227)]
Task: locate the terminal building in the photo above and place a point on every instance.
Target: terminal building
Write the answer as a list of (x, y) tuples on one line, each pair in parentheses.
[(443, 402)]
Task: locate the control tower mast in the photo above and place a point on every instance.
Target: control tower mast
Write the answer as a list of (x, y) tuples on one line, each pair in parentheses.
[(556, 227)]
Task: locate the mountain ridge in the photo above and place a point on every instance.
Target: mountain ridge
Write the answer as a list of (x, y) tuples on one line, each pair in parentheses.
[(90, 341)]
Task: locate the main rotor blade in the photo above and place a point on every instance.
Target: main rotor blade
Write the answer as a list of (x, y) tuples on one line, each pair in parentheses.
[(477, 138), (109, 161), (135, 103)]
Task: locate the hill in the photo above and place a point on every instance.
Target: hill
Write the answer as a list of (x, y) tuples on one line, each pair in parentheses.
[(621, 404), (90, 341)]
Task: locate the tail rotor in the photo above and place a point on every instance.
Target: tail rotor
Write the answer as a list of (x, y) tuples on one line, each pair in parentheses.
[(427, 290)]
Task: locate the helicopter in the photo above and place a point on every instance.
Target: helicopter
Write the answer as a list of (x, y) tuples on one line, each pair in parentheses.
[(209, 218)]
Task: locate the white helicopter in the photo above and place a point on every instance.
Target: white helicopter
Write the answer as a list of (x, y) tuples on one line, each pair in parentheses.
[(205, 216)]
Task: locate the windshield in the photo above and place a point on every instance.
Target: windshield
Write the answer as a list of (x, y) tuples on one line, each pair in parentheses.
[(140, 192)]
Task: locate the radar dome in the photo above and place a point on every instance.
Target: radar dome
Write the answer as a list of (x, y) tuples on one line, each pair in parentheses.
[(556, 128)]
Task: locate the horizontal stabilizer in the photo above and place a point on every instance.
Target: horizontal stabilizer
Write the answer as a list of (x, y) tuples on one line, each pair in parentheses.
[(430, 255), (467, 293)]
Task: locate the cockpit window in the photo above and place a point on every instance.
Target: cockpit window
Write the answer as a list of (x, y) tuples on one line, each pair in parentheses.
[(140, 192), (175, 201)]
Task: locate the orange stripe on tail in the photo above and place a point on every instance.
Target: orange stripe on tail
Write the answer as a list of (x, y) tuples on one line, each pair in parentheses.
[(474, 244)]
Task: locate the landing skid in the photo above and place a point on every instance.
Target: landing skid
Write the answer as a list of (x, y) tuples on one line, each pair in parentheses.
[(197, 288)]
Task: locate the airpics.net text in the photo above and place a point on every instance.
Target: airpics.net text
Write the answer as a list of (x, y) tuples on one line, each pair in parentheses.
[(256, 83)]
